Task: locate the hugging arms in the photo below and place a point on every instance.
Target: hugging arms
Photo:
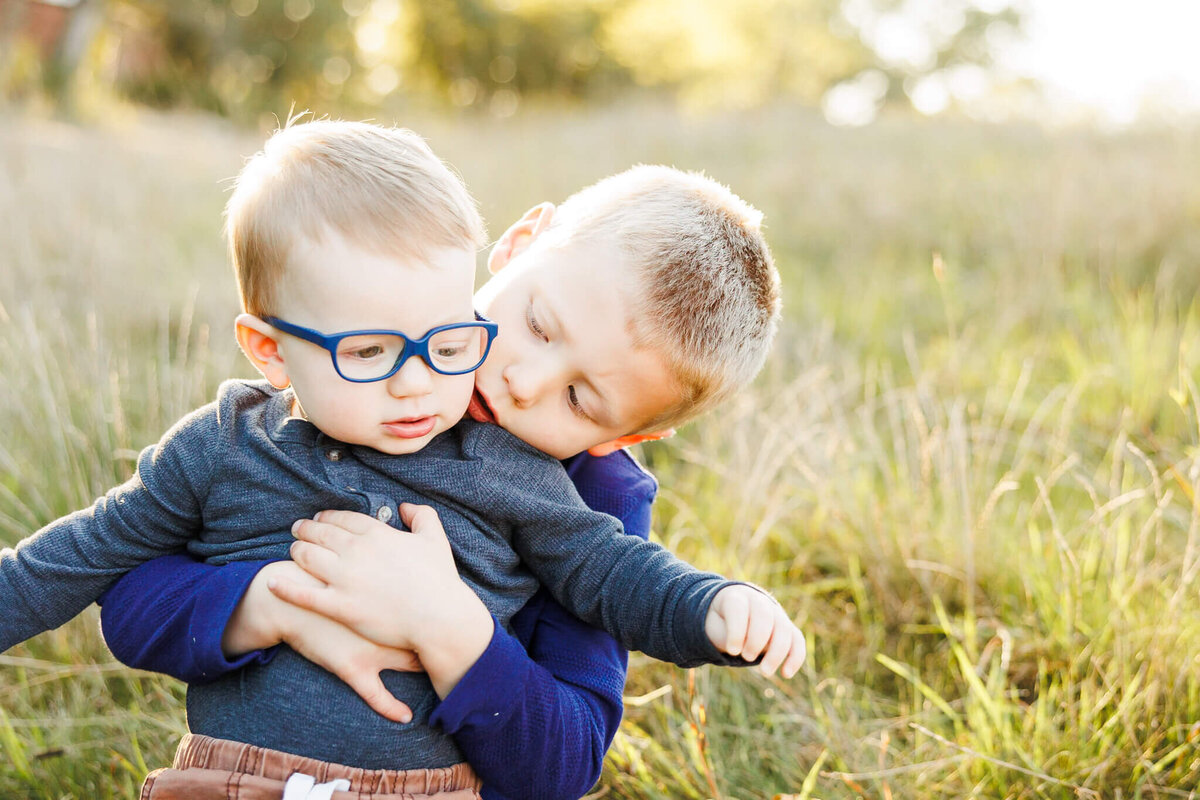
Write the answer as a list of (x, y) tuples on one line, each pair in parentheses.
[(534, 714), (533, 711)]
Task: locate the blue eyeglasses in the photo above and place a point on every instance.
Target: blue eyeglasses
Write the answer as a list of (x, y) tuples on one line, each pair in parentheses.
[(374, 355)]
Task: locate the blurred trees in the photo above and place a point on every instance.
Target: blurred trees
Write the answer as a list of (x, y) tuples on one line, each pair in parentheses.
[(242, 56)]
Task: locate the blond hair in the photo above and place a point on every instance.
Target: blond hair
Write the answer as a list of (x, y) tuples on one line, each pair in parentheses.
[(708, 299), (382, 188)]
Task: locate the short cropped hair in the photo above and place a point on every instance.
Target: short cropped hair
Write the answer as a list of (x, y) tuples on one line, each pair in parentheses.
[(708, 300), (382, 188)]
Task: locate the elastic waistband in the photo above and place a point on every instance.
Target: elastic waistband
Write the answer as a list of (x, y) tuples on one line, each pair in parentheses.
[(205, 752)]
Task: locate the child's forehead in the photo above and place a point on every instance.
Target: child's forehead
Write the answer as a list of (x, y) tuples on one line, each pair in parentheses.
[(344, 285), (593, 264)]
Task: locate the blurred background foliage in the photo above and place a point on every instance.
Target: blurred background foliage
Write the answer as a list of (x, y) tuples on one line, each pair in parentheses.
[(241, 57)]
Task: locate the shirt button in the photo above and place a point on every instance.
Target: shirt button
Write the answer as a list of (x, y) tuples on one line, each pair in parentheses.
[(333, 455), (383, 514)]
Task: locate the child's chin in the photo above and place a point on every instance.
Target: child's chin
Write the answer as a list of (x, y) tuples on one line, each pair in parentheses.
[(398, 446)]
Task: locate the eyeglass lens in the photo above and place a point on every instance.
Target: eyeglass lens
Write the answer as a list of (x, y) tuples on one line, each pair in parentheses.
[(371, 356)]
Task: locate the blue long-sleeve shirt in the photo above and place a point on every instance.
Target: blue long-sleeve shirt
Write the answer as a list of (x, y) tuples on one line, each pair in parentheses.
[(534, 715), (227, 480)]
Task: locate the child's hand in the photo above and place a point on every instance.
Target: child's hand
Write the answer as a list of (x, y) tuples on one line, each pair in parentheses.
[(399, 589), (743, 621), (262, 620)]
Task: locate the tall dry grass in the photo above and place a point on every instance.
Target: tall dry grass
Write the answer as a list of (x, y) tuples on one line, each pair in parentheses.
[(971, 466)]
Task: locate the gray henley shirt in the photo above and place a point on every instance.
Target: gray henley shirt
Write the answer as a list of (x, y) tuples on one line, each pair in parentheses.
[(226, 483)]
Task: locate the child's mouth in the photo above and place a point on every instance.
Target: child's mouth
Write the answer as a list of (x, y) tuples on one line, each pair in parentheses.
[(479, 410), (410, 428)]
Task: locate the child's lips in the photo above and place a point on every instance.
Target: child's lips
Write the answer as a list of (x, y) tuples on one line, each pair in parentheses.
[(411, 428), (478, 409)]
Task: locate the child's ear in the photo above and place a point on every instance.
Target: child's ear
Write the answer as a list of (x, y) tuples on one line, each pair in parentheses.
[(520, 235), (258, 341), (626, 441)]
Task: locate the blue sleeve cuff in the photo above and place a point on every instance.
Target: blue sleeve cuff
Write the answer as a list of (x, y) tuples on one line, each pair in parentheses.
[(215, 601), (169, 615), (484, 696)]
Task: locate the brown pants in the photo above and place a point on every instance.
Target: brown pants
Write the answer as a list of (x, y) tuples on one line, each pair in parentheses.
[(216, 769)]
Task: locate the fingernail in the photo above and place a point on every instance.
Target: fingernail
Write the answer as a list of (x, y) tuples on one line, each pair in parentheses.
[(272, 583), (296, 525)]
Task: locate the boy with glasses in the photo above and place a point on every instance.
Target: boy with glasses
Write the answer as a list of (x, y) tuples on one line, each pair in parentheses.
[(336, 223)]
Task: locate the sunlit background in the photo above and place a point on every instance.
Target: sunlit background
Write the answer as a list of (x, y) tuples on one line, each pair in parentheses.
[(1118, 60), (1055, 61)]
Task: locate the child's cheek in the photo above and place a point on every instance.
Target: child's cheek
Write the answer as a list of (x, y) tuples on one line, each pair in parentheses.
[(458, 396)]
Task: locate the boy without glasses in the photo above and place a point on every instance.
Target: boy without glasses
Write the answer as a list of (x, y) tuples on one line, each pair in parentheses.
[(259, 455)]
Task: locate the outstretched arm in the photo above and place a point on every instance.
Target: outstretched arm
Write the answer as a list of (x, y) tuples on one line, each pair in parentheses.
[(60, 570)]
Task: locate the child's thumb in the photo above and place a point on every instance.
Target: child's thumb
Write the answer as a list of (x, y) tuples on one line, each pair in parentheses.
[(421, 520)]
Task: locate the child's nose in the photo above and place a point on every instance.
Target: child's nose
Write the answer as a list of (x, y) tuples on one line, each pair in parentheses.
[(525, 384), (413, 378)]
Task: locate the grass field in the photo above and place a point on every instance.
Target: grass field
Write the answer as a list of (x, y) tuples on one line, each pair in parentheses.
[(971, 467)]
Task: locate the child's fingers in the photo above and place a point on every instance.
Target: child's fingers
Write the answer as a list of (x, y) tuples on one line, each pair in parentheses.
[(421, 519), (402, 661), (349, 521), (369, 686), (714, 626), (759, 628), (331, 537), (315, 560), (290, 570), (797, 654), (317, 600), (736, 613), (778, 649)]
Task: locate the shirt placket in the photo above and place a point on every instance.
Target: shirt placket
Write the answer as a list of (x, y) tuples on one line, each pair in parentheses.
[(345, 472)]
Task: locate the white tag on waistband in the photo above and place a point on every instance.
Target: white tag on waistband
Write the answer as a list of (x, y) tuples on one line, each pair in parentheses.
[(305, 787)]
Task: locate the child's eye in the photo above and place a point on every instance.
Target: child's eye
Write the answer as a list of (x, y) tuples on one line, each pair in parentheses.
[(365, 353), (573, 402), (533, 324), (449, 351)]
